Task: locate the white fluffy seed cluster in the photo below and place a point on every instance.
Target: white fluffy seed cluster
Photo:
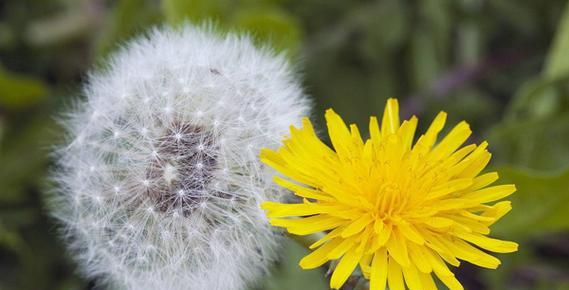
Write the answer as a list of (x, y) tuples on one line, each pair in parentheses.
[(160, 182)]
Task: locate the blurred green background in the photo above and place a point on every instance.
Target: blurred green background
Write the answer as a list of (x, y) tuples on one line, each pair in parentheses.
[(503, 65)]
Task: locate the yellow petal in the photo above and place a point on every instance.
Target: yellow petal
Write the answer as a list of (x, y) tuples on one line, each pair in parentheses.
[(339, 134), (356, 136), (490, 194), (390, 121), (430, 137), (418, 256), (451, 282), (497, 211), (332, 234), (394, 276), (471, 225), (320, 256), (365, 265), (450, 143), (427, 281), (449, 187), (407, 132), (439, 267), (374, 132), (277, 210), (275, 160), (438, 222), (345, 268), (302, 191), (342, 248), (480, 218), (379, 270), (397, 247), (473, 255), (378, 225), (357, 226), (493, 245), (476, 165), (484, 180), (380, 239), (309, 225), (409, 231), (412, 278), (467, 166)]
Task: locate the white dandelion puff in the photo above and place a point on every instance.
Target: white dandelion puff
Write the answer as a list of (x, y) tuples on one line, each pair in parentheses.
[(159, 185)]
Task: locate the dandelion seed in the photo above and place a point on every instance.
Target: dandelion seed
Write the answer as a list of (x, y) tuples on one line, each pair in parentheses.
[(176, 151), (402, 212)]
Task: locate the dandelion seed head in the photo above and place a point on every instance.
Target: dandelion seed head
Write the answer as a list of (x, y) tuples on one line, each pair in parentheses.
[(177, 193)]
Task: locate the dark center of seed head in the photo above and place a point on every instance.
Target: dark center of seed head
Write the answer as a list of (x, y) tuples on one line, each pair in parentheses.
[(181, 169)]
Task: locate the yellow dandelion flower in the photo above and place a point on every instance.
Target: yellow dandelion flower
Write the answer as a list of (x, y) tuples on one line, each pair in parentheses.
[(402, 212)]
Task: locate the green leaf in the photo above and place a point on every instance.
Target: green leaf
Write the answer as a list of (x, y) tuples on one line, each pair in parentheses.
[(177, 11), (128, 18), (2, 130), (547, 94), (558, 59), (385, 27), (426, 64), (532, 143), (9, 238), (436, 14), (538, 98), (18, 91), (271, 25), (264, 20), (23, 157), (539, 205)]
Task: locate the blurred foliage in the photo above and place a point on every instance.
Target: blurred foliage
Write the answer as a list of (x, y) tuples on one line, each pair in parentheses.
[(547, 191), (289, 276), (20, 91), (268, 23), (126, 19), (501, 65)]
